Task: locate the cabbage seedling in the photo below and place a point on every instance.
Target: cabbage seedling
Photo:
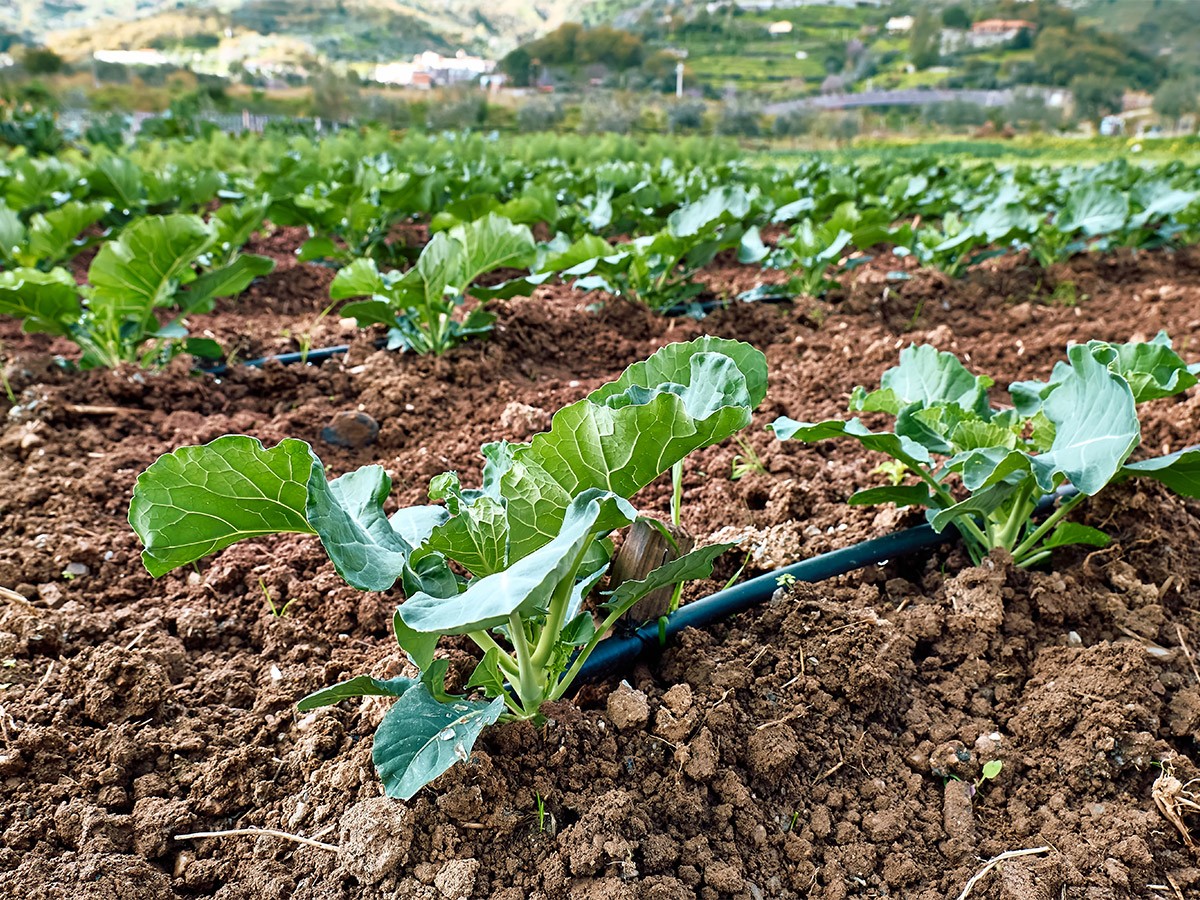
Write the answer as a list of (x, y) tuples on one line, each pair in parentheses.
[(1079, 428), (533, 540)]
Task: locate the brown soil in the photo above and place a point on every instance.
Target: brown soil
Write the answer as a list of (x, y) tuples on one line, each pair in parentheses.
[(823, 746)]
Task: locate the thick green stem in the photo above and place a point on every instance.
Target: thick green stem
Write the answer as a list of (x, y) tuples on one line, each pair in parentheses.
[(556, 616), (1018, 517), (609, 621), (527, 685), (486, 642), (1023, 549), (676, 493)]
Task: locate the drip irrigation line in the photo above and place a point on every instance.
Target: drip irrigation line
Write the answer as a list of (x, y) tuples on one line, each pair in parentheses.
[(317, 356), (619, 652)]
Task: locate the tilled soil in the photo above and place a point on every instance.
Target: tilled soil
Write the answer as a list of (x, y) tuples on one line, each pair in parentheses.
[(826, 745)]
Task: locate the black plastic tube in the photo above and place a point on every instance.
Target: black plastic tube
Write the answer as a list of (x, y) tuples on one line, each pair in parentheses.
[(287, 359), (619, 652)]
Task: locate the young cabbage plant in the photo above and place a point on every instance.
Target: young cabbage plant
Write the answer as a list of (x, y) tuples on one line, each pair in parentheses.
[(659, 269), (419, 305), (50, 238), (533, 540), (985, 470), (113, 319)]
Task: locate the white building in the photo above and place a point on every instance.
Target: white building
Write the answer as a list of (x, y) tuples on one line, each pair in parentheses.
[(131, 57), (899, 24)]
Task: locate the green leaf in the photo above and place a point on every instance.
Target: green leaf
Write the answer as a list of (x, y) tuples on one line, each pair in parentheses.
[(1152, 368), (142, 267), (420, 738), (348, 515), (926, 376), (487, 675), (672, 364), (52, 235), (902, 495), (728, 202), (904, 449), (361, 686), (1094, 210), (696, 564), (1179, 471), (419, 645), (46, 302), (476, 538), (981, 503), (1096, 426), (489, 243), (198, 500), (318, 248), (226, 281), (1067, 534), (527, 584), (359, 279)]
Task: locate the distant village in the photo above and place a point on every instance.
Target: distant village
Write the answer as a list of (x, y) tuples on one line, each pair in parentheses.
[(278, 61)]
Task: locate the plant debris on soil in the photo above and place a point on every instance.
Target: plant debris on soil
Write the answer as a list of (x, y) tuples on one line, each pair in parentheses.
[(826, 745)]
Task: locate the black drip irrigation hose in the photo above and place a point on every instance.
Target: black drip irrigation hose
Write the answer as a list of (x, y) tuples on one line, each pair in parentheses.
[(619, 652), (301, 357)]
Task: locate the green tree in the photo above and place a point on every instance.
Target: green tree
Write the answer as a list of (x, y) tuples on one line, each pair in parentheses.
[(42, 61), (1096, 96), (1177, 97), (956, 17), (923, 43)]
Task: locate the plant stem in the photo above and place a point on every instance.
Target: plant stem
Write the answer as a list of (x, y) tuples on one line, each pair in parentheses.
[(1022, 549), (486, 642), (527, 681), (676, 492), (609, 621)]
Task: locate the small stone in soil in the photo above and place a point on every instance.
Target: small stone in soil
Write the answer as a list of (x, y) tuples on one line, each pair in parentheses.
[(628, 708), (351, 429)]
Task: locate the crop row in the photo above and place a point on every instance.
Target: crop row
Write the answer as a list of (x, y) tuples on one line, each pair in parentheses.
[(516, 565), (627, 227)]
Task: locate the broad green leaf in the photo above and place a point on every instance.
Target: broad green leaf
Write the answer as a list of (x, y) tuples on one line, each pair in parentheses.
[(926, 376), (671, 365), (981, 503), (420, 738), (348, 515), (198, 500), (1096, 425), (1094, 210), (1066, 534), (45, 302), (142, 268), (528, 583), (730, 201), (317, 248), (1152, 368), (52, 235), (902, 495), (359, 279), (419, 645), (13, 235), (904, 449), (476, 538), (362, 686), (492, 242), (1179, 471), (696, 564), (226, 281), (487, 675)]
